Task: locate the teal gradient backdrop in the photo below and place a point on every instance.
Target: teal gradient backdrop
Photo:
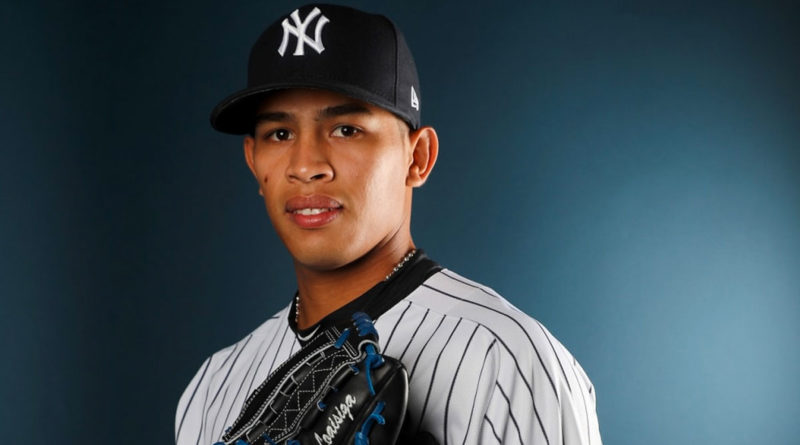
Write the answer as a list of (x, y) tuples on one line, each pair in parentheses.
[(626, 173)]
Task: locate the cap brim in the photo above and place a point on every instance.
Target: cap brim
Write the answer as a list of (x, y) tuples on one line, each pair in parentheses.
[(236, 113)]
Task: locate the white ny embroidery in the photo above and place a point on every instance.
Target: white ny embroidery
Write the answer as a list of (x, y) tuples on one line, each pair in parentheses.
[(299, 31)]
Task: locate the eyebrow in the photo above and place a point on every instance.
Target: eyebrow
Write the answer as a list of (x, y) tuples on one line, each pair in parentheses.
[(325, 113), (342, 110), (271, 116)]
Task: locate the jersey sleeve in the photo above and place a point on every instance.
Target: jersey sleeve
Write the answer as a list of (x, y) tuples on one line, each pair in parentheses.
[(188, 415), (216, 392), (502, 376), (190, 428), (540, 395)]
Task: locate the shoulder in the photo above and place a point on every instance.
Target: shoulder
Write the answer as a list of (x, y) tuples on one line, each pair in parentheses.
[(453, 333), (230, 367), (449, 292), (455, 296), (271, 328), (524, 348)]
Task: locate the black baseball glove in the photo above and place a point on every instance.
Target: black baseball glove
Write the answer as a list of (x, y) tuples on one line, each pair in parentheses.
[(337, 389)]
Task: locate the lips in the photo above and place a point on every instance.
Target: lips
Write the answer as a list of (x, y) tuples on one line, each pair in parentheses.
[(310, 212)]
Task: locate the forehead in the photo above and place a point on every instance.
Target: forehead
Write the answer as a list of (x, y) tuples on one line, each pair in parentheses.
[(302, 100)]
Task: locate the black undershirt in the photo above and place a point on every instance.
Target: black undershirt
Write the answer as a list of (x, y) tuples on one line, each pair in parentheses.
[(380, 298)]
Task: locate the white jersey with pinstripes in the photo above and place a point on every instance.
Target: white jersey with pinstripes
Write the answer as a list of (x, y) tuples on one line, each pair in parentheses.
[(481, 372)]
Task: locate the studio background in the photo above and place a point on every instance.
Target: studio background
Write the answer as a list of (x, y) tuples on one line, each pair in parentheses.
[(627, 174)]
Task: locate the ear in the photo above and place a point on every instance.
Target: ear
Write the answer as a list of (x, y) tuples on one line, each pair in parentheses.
[(249, 156), (424, 152), (249, 153)]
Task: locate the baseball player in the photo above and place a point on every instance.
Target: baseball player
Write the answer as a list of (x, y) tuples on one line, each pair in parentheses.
[(332, 135)]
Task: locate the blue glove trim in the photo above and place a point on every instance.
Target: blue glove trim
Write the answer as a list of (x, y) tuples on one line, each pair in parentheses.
[(372, 361), (362, 436), (364, 324), (342, 338)]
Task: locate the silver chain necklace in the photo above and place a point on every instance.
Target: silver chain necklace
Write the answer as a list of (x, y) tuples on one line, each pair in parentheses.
[(394, 270)]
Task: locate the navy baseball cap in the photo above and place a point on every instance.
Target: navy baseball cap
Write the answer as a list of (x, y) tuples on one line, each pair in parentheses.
[(329, 47)]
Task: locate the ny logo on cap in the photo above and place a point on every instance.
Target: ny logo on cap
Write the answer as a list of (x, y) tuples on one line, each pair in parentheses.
[(299, 31)]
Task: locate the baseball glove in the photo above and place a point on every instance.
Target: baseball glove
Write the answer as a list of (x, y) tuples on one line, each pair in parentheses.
[(337, 389)]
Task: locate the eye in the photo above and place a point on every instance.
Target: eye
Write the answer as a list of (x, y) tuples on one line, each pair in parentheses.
[(280, 134), (345, 131)]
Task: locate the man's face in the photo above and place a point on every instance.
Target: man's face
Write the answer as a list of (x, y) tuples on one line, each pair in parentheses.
[(333, 173)]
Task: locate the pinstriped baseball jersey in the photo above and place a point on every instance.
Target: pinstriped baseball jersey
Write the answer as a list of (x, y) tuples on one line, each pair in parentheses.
[(480, 371)]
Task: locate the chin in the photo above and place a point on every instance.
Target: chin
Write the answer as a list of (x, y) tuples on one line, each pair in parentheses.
[(319, 257), (320, 263)]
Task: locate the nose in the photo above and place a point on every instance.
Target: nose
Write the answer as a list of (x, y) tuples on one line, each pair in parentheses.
[(308, 161)]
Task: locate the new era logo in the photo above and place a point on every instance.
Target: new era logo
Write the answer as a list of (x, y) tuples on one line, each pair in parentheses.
[(414, 99), (299, 30)]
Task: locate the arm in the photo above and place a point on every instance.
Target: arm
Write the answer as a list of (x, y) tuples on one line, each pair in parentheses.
[(540, 399)]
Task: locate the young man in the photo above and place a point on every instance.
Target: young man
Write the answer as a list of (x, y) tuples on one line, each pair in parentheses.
[(333, 138)]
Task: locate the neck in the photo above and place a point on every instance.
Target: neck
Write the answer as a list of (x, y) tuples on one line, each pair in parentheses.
[(324, 291)]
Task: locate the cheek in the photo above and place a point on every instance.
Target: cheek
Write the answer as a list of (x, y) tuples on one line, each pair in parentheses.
[(384, 186), (269, 183), (264, 168), (268, 172)]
